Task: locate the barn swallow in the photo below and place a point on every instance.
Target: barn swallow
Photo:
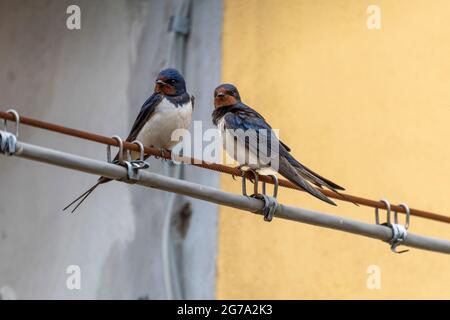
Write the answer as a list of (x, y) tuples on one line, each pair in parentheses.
[(167, 109), (230, 114)]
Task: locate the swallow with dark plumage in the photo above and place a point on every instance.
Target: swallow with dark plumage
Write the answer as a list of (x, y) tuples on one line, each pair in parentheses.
[(231, 116), (168, 108)]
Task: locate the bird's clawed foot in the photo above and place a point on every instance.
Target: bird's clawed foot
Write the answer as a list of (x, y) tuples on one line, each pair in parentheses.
[(163, 154), (239, 167)]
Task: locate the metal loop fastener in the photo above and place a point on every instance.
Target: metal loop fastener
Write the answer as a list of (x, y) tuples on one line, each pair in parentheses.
[(388, 209), (17, 119), (141, 150), (133, 166), (399, 232), (275, 186), (244, 185), (8, 143), (407, 213), (120, 154), (244, 182), (270, 206)]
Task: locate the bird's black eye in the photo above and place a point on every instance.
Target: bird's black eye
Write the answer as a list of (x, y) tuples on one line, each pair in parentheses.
[(172, 81)]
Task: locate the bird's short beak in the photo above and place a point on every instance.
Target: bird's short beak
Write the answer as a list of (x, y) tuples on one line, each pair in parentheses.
[(220, 95), (160, 82)]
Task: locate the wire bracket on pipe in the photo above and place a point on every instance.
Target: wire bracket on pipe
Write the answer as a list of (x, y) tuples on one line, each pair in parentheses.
[(133, 170), (133, 166), (399, 231), (270, 202), (8, 141), (399, 235), (270, 205)]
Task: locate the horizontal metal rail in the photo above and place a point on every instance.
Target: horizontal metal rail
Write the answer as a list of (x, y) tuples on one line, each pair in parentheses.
[(214, 166), (153, 180)]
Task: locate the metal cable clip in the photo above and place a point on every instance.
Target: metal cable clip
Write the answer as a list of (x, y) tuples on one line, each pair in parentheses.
[(270, 205), (399, 232), (407, 213), (119, 156), (8, 141), (270, 202), (17, 119), (256, 183), (399, 235), (388, 213), (134, 166)]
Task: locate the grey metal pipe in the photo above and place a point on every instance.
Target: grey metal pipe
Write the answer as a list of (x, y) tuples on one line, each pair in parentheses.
[(210, 194)]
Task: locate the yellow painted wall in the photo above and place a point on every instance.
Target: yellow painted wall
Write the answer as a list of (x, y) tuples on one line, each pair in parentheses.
[(369, 109)]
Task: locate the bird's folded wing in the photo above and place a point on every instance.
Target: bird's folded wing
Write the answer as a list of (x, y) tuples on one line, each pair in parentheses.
[(251, 123), (146, 111), (253, 131)]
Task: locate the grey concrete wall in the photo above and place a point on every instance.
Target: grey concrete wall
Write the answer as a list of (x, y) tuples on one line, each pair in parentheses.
[(96, 79)]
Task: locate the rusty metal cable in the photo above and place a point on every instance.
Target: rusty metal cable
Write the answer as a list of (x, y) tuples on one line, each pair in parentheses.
[(212, 166)]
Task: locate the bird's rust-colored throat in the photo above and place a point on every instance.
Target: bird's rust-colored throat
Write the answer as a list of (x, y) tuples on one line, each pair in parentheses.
[(222, 99)]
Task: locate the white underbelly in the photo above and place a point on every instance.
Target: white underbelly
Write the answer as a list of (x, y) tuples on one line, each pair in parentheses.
[(237, 151), (167, 118)]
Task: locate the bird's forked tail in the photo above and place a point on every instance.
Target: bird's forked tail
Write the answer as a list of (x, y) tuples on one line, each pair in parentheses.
[(85, 194)]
